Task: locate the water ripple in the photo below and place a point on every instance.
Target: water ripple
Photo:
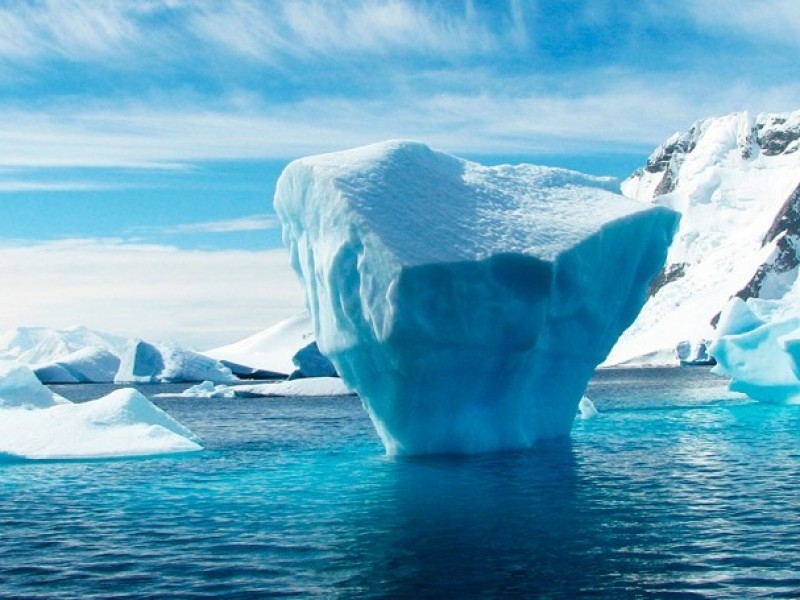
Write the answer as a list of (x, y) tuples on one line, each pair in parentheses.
[(677, 489)]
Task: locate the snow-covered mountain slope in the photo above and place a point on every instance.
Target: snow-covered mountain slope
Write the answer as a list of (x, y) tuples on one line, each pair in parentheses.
[(41, 345), (736, 182), (271, 349)]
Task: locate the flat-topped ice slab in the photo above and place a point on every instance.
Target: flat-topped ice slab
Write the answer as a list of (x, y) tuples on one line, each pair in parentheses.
[(466, 305)]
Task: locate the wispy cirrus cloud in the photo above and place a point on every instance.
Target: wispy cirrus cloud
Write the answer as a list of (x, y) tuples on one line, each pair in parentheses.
[(69, 29), (768, 21), (236, 225), (22, 185), (615, 112), (270, 32), (310, 28)]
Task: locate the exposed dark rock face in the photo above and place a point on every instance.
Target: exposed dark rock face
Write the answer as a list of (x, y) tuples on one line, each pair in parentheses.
[(667, 184), (678, 144), (667, 275), (773, 139), (666, 159), (785, 258)]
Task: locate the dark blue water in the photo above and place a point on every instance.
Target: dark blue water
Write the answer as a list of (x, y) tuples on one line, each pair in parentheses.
[(677, 489)]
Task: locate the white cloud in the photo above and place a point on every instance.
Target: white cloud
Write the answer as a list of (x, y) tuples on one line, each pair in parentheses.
[(772, 21), (94, 31), (613, 111), (200, 298), (249, 223), (22, 185), (71, 29)]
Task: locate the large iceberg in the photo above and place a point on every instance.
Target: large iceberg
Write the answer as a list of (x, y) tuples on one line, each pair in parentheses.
[(759, 347), (35, 423), (144, 362), (88, 365), (467, 305)]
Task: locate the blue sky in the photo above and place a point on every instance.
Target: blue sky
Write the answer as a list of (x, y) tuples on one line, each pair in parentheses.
[(140, 140)]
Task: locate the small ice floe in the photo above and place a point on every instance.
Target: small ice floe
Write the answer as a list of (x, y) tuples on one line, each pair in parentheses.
[(35, 423), (587, 409), (207, 389), (311, 386)]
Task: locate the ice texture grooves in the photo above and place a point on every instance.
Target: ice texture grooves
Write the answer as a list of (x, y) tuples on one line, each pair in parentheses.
[(467, 305)]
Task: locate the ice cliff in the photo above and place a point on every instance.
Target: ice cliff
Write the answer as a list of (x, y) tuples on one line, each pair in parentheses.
[(736, 182), (144, 362), (467, 305)]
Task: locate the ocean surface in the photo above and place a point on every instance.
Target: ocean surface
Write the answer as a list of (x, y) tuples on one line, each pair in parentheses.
[(678, 488)]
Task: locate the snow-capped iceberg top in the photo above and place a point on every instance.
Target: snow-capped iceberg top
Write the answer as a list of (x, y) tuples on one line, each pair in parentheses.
[(471, 211)]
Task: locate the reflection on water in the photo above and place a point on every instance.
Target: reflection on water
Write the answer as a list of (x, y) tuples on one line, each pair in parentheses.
[(677, 487)]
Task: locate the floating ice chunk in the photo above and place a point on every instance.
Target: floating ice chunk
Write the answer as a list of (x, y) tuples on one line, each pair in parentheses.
[(54, 373), (758, 346), (586, 408), (37, 424), (758, 363), (148, 363), (89, 365), (312, 386), (206, 389), (695, 352), (467, 305)]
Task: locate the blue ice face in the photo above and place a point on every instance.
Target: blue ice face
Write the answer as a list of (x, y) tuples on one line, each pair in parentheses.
[(467, 305)]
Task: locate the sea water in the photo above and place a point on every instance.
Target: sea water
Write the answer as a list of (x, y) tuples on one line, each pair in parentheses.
[(677, 488)]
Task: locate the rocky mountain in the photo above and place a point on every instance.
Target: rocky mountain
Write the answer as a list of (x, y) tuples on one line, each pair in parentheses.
[(736, 182)]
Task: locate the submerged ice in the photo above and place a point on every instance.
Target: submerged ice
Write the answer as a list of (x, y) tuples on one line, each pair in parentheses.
[(467, 305)]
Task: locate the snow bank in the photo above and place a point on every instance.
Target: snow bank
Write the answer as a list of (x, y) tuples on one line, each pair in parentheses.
[(271, 349), (37, 424), (147, 363), (468, 306)]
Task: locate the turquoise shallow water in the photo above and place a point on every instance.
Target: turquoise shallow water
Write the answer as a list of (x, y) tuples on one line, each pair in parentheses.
[(677, 489)]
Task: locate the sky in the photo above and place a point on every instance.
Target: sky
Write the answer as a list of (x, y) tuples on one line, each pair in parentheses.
[(140, 141)]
